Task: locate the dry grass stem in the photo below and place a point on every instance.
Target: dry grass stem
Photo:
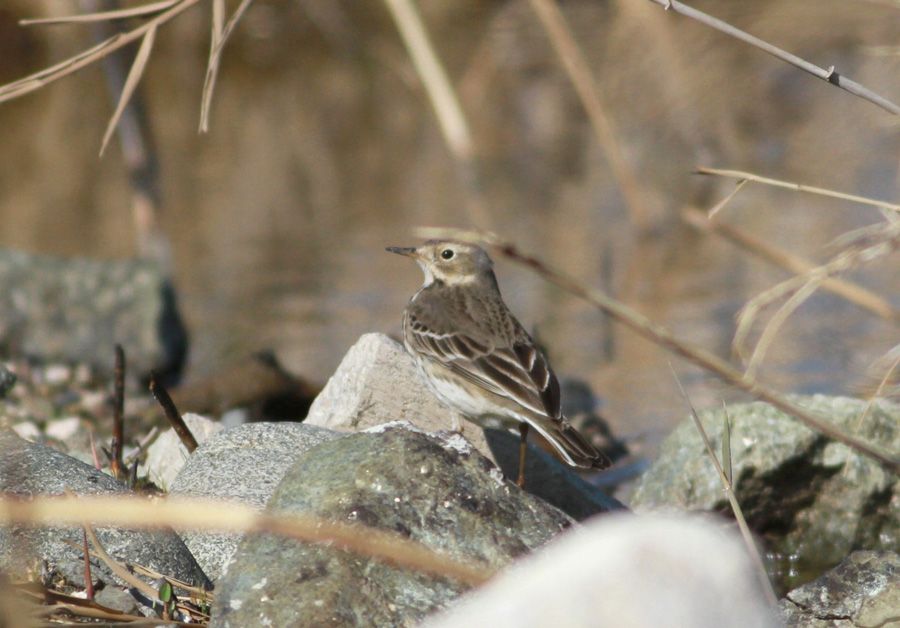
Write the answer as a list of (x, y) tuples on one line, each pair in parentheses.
[(579, 73), (444, 100), (876, 394), (119, 14), (119, 570), (212, 66), (131, 83), (725, 479), (879, 390), (661, 336), (81, 60), (196, 514), (777, 321), (830, 75), (848, 290), (220, 36), (195, 592), (797, 187), (437, 85), (870, 244), (721, 204)]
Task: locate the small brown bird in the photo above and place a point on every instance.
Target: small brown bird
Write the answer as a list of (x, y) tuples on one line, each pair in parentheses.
[(477, 358)]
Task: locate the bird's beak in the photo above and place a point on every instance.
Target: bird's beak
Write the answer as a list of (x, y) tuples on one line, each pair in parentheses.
[(408, 251)]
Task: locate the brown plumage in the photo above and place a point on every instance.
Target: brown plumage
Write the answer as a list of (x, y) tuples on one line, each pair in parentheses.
[(477, 357)]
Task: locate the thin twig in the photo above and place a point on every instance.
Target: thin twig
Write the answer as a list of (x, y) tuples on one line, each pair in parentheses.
[(118, 432), (829, 75), (142, 445), (777, 321), (118, 14), (721, 204), (88, 578), (582, 79), (131, 83), (219, 37), (797, 187), (175, 419), (198, 592), (794, 263), (113, 565), (83, 59), (198, 514), (725, 479), (870, 402), (94, 455), (663, 337), (878, 391), (868, 244)]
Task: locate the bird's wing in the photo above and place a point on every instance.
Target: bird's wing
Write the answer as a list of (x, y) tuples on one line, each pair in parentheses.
[(518, 371)]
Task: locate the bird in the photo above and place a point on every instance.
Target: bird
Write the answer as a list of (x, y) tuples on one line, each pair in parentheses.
[(477, 358)]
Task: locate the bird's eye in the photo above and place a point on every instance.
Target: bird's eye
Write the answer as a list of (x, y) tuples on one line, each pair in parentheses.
[(447, 253)]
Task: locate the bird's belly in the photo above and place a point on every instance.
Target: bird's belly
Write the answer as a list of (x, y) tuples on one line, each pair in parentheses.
[(457, 393)]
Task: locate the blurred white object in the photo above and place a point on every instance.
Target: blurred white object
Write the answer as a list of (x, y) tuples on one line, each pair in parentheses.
[(626, 571)]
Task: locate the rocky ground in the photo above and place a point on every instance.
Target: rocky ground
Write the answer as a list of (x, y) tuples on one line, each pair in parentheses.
[(826, 516)]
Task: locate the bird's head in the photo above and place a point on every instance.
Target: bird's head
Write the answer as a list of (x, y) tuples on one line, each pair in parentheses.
[(451, 262)]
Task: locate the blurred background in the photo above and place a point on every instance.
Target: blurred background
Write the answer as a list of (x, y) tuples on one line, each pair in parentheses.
[(323, 149)]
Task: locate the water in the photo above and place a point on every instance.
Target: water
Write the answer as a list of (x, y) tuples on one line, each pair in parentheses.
[(324, 150)]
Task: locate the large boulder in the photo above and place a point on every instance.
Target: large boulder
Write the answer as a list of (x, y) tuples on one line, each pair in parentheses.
[(76, 310), (377, 382), (433, 489), (813, 500)]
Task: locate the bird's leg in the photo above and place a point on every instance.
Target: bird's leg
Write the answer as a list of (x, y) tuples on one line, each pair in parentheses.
[(523, 447), (456, 424)]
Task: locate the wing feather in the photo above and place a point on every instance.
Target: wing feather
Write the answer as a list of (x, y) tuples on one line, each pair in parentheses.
[(518, 372)]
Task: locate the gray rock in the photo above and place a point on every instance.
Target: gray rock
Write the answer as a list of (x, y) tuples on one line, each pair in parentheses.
[(810, 498), (167, 454), (243, 464), (28, 469), (76, 310), (624, 570), (863, 591), (550, 479), (377, 382), (116, 598), (441, 493)]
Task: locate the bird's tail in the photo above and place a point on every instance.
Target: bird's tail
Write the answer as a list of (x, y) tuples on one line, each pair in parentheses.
[(572, 446)]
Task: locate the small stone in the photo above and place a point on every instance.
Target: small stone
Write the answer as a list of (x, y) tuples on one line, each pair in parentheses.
[(57, 374), (28, 430), (117, 599), (63, 429)]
